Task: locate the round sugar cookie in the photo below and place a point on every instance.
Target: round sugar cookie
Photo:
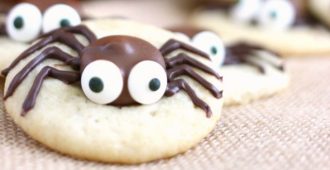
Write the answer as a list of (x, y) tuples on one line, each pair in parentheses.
[(250, 72), (64, 119), (287, 35)]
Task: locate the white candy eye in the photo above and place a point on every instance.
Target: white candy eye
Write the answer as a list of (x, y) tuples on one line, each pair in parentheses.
[(147, 82), (102, 82), (58, 16), (24, 22), (245, 10), (276, 15), (211, 44)]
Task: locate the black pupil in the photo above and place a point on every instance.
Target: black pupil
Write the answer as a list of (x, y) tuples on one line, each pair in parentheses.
[(214, 50), (65, 23), (96, 84), (18, 22), (273, 14), (154, 84)]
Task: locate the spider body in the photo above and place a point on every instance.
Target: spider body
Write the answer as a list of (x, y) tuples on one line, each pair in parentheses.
[(115, 70), (125, 52)]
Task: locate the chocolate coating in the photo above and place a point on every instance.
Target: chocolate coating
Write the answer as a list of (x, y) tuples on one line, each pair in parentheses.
[(125, 52)]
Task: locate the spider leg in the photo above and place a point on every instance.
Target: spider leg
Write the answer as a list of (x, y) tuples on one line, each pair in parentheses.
[(49, 53), (185, 59), (272, 59), (172, 45), (80, 29), (254, 63), (66, 38), (83, 30), (3, 29), (180, 84), (187, 70), (65, 76)]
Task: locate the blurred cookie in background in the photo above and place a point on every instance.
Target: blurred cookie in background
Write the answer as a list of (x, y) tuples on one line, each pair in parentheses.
[(321, 9), (159, 13), (250, 71), (284, 26), (27, 20)]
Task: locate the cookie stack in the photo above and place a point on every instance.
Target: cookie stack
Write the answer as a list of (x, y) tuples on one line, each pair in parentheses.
[(121, 91)]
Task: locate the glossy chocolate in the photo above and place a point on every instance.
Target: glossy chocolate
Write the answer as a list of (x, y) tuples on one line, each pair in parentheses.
[(124, 51), (2, 29)]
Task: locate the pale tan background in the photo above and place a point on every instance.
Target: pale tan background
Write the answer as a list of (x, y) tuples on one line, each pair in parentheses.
[(288, 131)]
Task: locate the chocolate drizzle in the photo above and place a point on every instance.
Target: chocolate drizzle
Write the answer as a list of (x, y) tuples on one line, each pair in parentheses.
[(240, 52), (237, 53), (124, 51), (2, 29)]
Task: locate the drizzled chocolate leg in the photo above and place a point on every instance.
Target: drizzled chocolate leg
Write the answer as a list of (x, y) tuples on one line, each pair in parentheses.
[(180, 84), (187, 70), (83, 30), (80, 29), (272, 59), (173, 45), (185, 59), (260, 67), (65, 76), (2, 29), (49, 53), (67, 39)]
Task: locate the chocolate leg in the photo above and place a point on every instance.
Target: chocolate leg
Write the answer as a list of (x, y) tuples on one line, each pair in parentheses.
[(180, 84), (185, 59), (80, 29), (67, 39), (49, 53), (65, 76), (187, 70), (255, 64), (172, 45), (83, 30)]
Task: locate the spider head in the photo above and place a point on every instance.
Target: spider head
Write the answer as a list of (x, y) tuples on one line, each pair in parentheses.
[(123, 70)]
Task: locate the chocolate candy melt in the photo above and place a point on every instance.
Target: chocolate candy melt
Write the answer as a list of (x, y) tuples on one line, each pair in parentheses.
[(125, 52)]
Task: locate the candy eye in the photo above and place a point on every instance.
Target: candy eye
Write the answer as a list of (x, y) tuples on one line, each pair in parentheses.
[(245, 10), (276, 15), (24, 22), (211, 44), (58, 16), (102, 82), (147, 82)]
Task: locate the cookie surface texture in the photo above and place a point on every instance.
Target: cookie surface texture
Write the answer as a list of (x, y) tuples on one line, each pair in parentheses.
[(295, 41), (65, 120)]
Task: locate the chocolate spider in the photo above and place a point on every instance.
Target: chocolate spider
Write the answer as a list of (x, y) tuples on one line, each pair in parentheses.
[(118, 70), (237, 53), (269, 14), (27, 20)]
